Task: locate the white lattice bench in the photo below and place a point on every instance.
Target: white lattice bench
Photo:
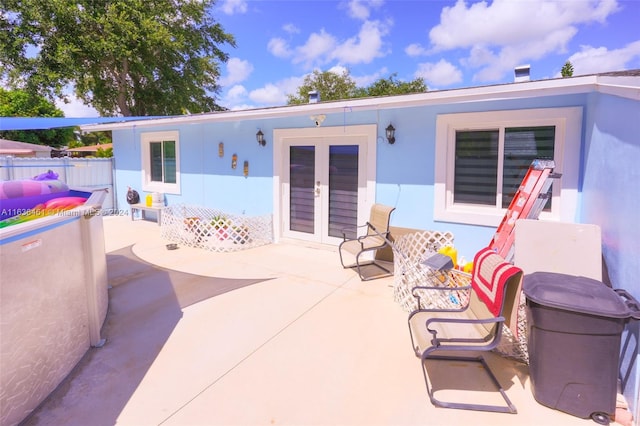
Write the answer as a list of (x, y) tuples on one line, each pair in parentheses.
[(143, 208)]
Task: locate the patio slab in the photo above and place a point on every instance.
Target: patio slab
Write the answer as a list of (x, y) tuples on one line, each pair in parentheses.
[(308, 344)]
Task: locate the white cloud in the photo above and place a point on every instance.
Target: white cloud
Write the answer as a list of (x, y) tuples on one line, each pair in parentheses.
[(591, 60), (276, 94), (269, 94), (365, 47), (240, 107), (415, 49), (291, 84), (494, 66), (237, 71), (290, 29), (360, 9), (511, 32), (322, 48), (231, 7), (366, 80), (279, 48), (236, 94), (337, 69), (316, 50), (441, 73)]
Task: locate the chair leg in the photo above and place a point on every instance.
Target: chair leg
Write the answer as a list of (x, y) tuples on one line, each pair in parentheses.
[(509, 408), (368, 263)]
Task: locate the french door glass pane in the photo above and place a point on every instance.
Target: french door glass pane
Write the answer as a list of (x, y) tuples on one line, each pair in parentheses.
[(169, 154), (476, 167), (301, 188), (343, 190), (156, 161), (522, 145)]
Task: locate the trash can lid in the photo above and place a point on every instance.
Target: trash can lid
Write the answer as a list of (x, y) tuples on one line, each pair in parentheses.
[(573, 293)]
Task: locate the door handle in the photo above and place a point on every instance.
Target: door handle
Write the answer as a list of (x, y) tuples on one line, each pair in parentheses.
[(317, 189)]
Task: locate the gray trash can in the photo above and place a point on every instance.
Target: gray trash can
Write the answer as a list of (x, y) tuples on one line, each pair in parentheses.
[(575, 326)]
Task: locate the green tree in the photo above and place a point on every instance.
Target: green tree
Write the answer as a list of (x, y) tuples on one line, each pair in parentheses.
[(19, 103), (392, 86), (333, 87), (330, 85), (104, 153), (123, 57), (96, 138), (567, 70)]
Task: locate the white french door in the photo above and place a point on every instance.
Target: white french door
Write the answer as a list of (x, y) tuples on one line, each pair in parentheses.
[(324, 186)]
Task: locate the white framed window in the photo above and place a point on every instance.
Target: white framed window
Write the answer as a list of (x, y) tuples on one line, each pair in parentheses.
[(161, 162), (482, 157)]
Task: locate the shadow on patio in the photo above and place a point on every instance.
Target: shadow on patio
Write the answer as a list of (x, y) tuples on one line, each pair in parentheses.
[(311, 344), (145, 304)]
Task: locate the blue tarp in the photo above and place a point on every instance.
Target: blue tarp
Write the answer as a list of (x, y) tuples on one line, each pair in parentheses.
[(39, 123)]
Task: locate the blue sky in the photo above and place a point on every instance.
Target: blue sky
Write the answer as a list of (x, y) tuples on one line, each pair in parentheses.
[(450, 44)]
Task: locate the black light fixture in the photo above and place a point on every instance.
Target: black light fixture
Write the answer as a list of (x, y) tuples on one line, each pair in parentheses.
[(391, 132), (260, 138)]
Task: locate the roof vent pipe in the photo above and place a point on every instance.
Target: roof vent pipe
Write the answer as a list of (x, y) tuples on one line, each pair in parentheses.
[(522, 73), (314, 97)]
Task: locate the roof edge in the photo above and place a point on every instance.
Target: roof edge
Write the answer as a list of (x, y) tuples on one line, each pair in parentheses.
[(629, 88)]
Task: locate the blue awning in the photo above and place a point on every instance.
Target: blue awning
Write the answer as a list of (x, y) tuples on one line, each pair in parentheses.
[(40, 123)]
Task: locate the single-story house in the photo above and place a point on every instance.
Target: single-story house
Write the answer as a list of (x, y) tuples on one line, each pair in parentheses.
[(23, 149), (453, 163)]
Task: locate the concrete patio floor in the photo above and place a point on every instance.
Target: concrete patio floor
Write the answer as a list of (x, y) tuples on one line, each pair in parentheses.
[(310, 344)]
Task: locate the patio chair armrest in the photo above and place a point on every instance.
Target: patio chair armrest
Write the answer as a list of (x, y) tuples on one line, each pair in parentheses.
[(344, 231), (373, 228), (495, 320), (449, 341), (440, 289)]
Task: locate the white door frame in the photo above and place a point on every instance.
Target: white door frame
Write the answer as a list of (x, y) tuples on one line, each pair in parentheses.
[(283, 137)]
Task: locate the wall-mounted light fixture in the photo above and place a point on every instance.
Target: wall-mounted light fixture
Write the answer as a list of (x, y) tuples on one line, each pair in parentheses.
[(246, 169), (221, 149), (260, 138), (234, 161), (391, 134)]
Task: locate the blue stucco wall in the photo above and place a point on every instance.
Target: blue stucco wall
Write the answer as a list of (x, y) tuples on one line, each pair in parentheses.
[(405, 170), (206, 179), (610, 199)]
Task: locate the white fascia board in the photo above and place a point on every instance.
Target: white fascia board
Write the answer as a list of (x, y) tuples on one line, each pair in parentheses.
[(623, 86), (528, 89)]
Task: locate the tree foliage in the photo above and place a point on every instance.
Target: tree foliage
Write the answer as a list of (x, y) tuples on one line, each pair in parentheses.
[(104, 152), (123, 57), (333, 87), (567, 70), (392, 86), (19, 103), (330, 85), (96, 138)]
